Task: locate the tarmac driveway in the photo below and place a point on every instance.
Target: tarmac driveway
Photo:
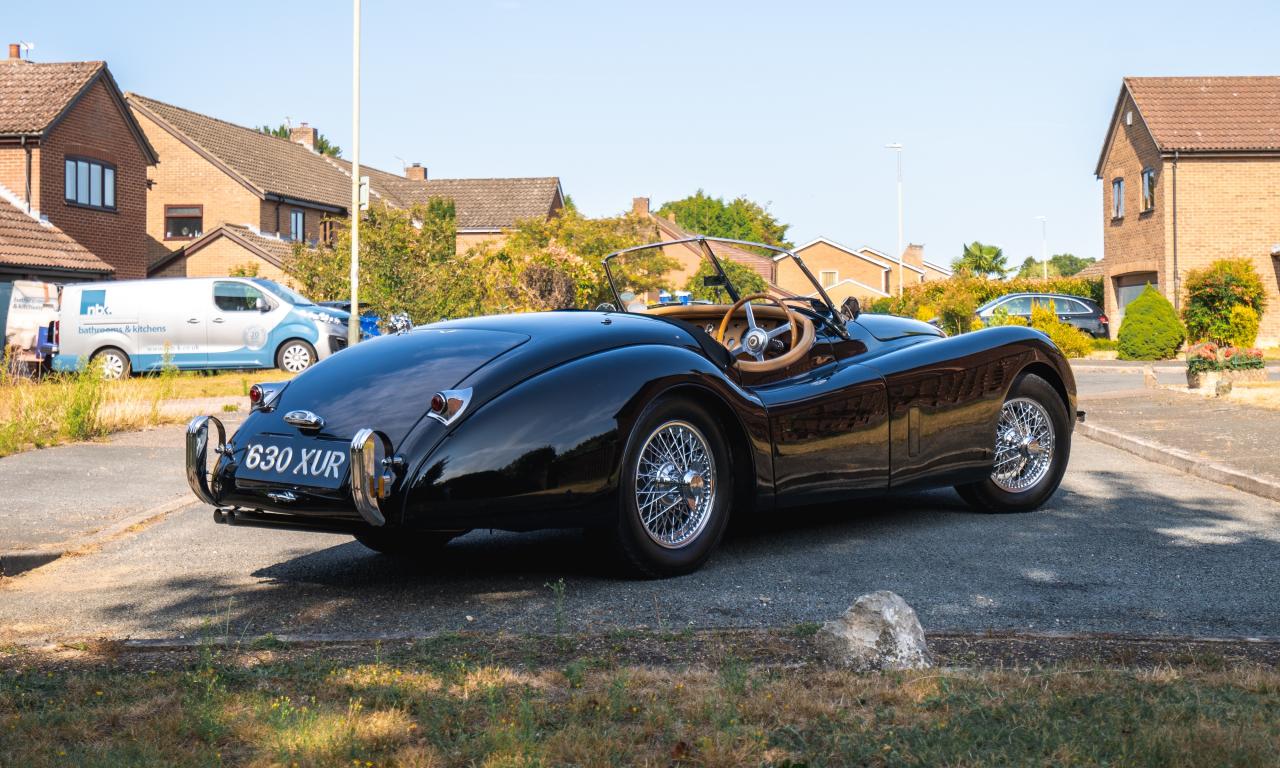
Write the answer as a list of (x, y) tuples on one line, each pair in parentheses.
[(1126, 547)]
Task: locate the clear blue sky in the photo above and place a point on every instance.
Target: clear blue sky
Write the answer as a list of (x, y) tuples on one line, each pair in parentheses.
[(1002, 106)]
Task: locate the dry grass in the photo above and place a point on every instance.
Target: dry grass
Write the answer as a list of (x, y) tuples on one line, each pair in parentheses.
[(1264, 394), (64, 408), (440, 704)]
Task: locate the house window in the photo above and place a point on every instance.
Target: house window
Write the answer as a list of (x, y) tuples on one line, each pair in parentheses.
[(829, 277), (297, 221), (183, 222), (89, 183), (328, 231), (1148, 189), (1117, 198)]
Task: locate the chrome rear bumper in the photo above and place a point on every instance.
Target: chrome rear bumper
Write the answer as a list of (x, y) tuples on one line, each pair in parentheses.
[(198, 456)]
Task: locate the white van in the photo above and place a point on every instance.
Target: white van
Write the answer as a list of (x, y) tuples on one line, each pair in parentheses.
[(200, 323)]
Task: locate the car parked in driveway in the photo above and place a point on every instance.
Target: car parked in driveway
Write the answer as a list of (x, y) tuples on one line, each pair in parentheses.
[(369, 320), (1083, 313)]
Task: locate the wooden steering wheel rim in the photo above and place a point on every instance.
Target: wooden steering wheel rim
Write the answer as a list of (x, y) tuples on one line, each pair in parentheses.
[(800, 326)]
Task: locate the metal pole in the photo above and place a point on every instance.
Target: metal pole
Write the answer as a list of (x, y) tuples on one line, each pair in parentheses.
[(1044, 244), (897, 147), (353, 324)]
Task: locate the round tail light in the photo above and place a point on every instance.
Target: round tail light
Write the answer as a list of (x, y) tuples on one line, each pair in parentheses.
[(255, 395), (438, 403)]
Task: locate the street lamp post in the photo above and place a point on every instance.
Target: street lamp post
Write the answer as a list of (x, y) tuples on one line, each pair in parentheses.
[(1044, 243), (897, 147), (353, 323)]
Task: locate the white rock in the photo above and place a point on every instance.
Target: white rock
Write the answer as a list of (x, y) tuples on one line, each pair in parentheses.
[(879, 631)]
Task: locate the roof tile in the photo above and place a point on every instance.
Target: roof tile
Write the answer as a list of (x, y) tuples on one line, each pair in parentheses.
[(1205, 114), (26, 242), (32, 95)]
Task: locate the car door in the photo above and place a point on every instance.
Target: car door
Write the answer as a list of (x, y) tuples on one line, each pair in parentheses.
[(175, 317), (830, 426), (241, 318)]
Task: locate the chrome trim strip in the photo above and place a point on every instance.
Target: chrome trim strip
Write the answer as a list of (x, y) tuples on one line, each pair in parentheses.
[(198, 455), (368, 482), (304, 420), (456, 402)]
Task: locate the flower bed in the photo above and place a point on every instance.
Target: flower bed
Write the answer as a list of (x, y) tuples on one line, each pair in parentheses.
[(1208, 363)]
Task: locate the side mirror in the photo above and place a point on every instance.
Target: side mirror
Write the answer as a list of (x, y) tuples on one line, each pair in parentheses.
[(850, 309), (261, 305)]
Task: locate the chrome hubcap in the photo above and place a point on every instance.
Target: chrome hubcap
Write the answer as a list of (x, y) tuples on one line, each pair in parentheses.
[(296, 358), (1024, 445), (675, 484)]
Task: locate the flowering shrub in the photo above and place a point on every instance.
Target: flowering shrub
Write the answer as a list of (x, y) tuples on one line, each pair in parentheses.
[(1213, 295), (1211, 357)]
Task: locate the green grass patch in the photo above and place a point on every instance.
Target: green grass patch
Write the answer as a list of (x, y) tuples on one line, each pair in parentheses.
[(446, 701)]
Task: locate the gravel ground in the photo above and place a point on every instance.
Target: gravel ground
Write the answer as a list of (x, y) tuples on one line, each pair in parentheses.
[(1126, 546)]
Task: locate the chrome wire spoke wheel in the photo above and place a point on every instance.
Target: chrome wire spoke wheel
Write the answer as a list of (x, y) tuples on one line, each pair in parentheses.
[(675, 484), (1024, 445), (295, 358)]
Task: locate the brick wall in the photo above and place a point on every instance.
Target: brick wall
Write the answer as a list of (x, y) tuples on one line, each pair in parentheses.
[(1136, 242), (96, 128), (13, 174), (218, 259), (821, 257), (1230, 208), (183, 177)]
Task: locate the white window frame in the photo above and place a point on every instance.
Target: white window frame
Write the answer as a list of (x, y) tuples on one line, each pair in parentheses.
[(822, 277), (1117, 198), (297, 224)]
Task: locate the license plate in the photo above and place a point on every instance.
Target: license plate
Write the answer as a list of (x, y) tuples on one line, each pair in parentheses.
[(291, 461)]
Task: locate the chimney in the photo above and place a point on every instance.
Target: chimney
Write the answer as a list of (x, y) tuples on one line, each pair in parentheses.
[(914, 255), (15, 51), (416, 172), (640, 206), (304, 135)]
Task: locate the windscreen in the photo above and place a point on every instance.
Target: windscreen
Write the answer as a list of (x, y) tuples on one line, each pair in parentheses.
[(288, 294)]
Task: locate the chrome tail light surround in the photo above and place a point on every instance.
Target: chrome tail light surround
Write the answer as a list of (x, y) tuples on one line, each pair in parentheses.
[(198, 456), (372, 474), (267, 394), (448, 405)]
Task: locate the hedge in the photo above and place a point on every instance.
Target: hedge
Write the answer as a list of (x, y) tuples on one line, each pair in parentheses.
[(955, 299)]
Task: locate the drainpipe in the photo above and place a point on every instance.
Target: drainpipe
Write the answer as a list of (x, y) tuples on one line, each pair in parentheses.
[(27, 181), (1177, 292)]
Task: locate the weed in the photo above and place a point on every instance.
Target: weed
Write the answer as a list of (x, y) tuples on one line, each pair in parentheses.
[(230, 408), (806, 629), (557, 590)]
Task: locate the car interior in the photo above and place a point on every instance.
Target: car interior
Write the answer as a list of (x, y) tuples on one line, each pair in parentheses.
[(757, 337)]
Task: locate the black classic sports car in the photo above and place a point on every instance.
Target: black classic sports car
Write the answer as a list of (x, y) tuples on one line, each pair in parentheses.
[(649, 424)]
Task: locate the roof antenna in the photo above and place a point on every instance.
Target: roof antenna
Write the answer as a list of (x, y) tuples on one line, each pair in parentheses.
[(404, 164), (28, 47)]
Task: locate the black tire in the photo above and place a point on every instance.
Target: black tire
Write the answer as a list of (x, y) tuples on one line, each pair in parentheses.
[(406, 544), (295, 356), (988, 495), (640, 553), (115, 363)]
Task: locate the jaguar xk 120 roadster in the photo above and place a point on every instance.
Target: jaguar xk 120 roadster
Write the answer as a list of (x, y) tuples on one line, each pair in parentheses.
[(650, 424)]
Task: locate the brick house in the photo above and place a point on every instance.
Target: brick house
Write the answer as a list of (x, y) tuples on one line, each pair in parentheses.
[(73, 157), (223, 195), (863, 272), (1190, 173)]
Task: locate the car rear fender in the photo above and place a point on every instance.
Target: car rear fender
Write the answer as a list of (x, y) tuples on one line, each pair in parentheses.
[(547, 451)]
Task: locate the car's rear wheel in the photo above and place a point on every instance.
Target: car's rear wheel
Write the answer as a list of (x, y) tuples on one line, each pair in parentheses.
[(675, 491), (113, 363), (406, 544), (295, 356), (1032, 445)]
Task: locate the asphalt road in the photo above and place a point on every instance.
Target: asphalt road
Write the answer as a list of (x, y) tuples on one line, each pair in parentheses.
[(1126, 546)]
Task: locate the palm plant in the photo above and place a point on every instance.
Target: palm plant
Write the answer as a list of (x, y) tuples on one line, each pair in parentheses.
[(982, 261)]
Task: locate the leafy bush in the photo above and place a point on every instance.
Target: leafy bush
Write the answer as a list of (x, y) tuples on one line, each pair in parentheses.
[(1070, 340), (1242, 326), (1210, 357), (955, 299), (745, 279), (1213, 292), (1150, 329)]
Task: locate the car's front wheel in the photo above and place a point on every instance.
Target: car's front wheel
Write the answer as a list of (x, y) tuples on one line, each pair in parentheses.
[(1032, 445), (675, 491), (295, 356)]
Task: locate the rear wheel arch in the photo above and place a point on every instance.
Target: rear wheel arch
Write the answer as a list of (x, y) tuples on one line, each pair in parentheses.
[(735, 434)]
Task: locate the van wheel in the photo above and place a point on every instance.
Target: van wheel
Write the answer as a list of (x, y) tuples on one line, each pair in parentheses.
[(295, 356), (113, 362)]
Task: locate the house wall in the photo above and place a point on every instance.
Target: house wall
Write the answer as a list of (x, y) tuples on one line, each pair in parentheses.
[(183, 177), (1135, 243), (95, 127), (822, 256), (467, 241), (13, 174), (276, 217), (218, 259), (1229, 208)]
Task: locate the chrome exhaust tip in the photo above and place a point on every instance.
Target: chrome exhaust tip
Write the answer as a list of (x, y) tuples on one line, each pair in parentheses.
[(198, 456)]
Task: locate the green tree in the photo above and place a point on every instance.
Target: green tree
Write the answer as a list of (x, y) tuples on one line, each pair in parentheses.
[(1033, 268), (1150, 329), (1068, 264), (1214, 291), (407, 262), (323, 145), (738, 219), (981, 261), (745, 280)]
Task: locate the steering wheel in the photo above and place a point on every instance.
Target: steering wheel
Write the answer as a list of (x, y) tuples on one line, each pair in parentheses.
[(755, 342)]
